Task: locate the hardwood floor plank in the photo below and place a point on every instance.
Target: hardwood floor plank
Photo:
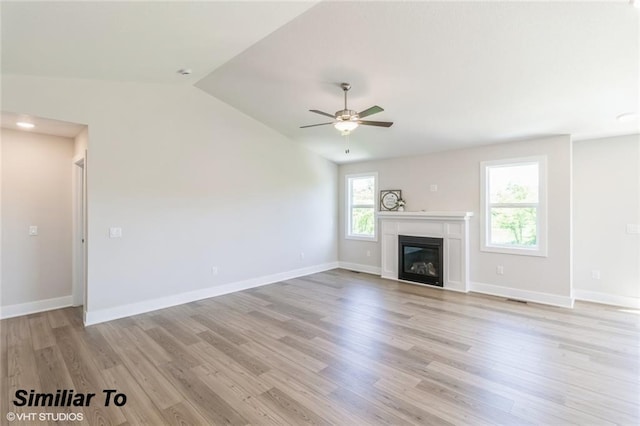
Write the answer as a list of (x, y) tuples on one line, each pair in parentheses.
[(207, 402), (366, 410), (103, 353), (21, 374), (51, 369), (172, 346), (292, 408), (309, 397), (289, 326), (139, 408), (252, 364), (57, 318), (159, 390), (248, 405), (41, 332), (213, 361), (381, 334), (220, 329), (439, 410), (346, 359), (338, 348), (85, 376), (468, 389), (183, 414), (494, 375), (479, 408), (172, 326), (152, 350), (290, 369), (524, 403), (299, 358), (401, 407)]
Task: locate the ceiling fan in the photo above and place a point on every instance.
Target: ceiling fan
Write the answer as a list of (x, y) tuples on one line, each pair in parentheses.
[(347, 120)]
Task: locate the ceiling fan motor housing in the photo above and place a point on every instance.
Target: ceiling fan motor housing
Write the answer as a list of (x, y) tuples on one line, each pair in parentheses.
[(347, 114)]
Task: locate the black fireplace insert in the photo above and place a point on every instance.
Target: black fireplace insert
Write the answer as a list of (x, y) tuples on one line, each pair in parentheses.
[(420, 260)]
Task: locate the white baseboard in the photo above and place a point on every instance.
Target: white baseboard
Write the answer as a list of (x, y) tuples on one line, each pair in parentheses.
[(606, 299), (526, 295), (20, 309), (375, 270), (109, 314)]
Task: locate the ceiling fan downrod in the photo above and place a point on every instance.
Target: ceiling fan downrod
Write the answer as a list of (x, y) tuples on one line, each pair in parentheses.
[(345, 89)]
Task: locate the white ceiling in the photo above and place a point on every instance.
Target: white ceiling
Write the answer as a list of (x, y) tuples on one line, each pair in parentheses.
[(449, 74), (134, 40)]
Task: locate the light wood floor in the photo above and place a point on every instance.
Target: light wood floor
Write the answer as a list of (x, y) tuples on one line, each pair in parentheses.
[(337, 348)]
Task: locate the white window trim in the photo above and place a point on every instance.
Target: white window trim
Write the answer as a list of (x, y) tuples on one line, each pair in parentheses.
[(542, 234), (348, 207)]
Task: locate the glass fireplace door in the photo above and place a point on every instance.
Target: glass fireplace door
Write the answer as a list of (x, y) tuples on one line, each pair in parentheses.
[(420, 260)]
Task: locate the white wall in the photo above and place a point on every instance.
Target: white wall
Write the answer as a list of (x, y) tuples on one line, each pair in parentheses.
[(193, 184), (606, 200), (457, 174), (36, 190)]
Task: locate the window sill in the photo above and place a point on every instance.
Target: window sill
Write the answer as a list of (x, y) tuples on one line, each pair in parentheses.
[(513, 250), (361, 238)]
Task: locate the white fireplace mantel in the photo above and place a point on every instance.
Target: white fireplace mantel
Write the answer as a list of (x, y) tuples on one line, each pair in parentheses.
[(452, 227)]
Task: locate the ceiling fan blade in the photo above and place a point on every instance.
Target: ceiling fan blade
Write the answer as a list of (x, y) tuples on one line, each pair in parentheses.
[(314, 125), (376, 123), (370, 111), (322, 113)]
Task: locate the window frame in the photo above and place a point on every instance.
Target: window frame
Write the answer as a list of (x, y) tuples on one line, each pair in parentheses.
[(349, 206), (540, 249)]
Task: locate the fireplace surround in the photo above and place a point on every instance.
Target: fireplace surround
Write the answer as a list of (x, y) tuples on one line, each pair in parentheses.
[(451, 227)]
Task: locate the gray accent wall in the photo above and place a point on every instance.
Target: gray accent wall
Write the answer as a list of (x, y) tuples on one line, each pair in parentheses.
[(457, 176), (36, 191), (193, 183), (606, 200)]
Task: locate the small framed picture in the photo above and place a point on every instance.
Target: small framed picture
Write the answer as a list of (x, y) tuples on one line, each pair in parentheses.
[(389, 199)]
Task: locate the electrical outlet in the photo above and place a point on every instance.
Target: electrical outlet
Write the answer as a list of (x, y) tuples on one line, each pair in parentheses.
[(115, 232), (500, 270), (595, 274), (214, 270), (433, 187), (33, 230), (301, 255), (368, 253)]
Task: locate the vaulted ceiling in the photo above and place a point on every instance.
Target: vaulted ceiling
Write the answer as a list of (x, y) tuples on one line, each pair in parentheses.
[(449, 74)]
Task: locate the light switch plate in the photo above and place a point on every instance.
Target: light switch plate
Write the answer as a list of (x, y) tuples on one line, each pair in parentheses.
[(33, 230), (115, 232)]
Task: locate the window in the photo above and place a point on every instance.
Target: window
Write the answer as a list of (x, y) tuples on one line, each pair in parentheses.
[(513, 196), (361, 207)]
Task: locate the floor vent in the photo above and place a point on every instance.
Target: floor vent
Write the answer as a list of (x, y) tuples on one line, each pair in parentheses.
[(517, 301)]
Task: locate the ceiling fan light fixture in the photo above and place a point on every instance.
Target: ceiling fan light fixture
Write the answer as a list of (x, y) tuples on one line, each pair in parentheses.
[(346, 126)]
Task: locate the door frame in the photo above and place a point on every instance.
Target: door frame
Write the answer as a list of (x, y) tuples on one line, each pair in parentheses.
[(79, 246)]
